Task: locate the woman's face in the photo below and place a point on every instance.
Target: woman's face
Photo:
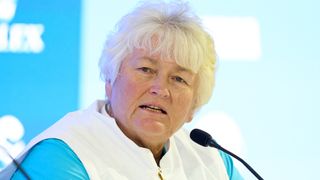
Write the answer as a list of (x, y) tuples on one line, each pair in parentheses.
[(151, 98)]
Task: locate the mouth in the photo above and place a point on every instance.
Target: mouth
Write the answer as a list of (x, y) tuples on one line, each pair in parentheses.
[(153, 108)]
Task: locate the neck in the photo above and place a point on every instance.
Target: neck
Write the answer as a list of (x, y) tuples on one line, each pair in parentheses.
[(157, 154), (156, 148)]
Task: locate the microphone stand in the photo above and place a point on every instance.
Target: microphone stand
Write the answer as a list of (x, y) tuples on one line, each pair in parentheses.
[(212, 143)]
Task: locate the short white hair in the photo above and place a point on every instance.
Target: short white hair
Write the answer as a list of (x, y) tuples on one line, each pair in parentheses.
[(180, 36)]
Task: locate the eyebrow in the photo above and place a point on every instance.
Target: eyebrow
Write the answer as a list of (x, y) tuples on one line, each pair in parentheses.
[(179, 68), (184, 69), (153, 61)]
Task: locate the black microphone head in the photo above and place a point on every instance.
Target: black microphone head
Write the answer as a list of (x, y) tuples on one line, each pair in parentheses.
[(200, 137), (204, 139)]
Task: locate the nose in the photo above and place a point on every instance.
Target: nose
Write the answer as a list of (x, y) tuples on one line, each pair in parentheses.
[(160, 88)]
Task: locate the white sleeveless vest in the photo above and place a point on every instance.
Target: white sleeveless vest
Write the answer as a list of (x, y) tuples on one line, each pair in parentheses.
[(107, 153)]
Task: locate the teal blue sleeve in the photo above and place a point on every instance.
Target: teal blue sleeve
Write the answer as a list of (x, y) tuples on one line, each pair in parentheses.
[(52, 159), (231, 170)]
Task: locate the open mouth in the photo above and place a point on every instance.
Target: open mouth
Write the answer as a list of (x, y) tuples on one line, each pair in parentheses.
[(153, 108)]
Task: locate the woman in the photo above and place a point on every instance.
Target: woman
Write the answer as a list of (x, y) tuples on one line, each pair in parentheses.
[(158, 67)]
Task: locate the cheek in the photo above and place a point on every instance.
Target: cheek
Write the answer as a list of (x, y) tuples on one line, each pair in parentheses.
[(130, 89), (182, 109), (185, 98), (125, 94), (184, 103)]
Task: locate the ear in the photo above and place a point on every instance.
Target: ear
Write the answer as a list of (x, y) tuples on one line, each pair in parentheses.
[(108, 89)]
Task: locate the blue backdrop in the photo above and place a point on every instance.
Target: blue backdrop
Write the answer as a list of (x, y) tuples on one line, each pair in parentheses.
[(39, 86)]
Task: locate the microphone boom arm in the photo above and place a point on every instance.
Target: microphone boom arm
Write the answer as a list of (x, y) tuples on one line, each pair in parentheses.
[(212, 143)]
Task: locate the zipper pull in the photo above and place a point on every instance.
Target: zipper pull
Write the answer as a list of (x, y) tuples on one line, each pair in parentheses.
[(160, 174)]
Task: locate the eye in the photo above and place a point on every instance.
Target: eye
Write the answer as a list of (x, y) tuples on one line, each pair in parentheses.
[(146, 69), (179, 80)]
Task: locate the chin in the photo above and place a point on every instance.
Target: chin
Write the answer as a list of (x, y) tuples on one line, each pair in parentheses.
[(153, 127)]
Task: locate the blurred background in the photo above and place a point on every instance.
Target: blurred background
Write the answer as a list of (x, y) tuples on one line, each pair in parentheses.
[(265, 106)]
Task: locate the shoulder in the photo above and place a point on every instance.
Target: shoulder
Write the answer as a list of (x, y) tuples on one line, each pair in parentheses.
[(231, 169), (207, 154), (206, 159), (52, 158)]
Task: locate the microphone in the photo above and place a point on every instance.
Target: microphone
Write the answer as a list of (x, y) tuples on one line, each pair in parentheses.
[(16, 164), (204, 139)]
